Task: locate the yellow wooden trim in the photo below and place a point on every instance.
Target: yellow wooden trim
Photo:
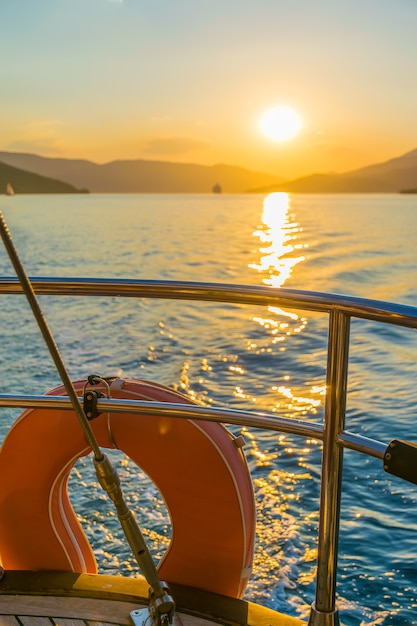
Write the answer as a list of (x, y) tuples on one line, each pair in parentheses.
[(134, 591)]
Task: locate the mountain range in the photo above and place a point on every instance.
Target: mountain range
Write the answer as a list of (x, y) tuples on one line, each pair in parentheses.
[(22, 181), (30, 173), (392, 176), (140, 176)]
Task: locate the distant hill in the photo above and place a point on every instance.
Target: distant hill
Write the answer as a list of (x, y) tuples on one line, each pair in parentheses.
[(389, 177), (28, 182), (142, 176)]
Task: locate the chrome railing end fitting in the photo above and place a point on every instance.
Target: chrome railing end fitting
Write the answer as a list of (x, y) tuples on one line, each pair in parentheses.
[(320, 618)]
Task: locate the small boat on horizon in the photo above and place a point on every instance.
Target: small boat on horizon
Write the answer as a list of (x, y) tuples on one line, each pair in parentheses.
[(9, 190), (413, 190)]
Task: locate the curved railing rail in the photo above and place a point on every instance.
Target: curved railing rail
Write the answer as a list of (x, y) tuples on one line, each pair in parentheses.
[(387, 312), (340, 309), (249, 419)]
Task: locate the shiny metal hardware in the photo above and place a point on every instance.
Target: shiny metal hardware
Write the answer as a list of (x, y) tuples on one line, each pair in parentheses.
[(385, 312), (318, 618), (332, 461), (90, 396), (146, 617), (141, 617)]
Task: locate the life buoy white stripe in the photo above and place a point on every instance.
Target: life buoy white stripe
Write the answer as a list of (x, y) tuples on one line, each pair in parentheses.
[(58, 487)]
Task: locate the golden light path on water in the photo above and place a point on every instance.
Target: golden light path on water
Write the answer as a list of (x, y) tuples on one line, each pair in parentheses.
[(280, 547), (280, 252), (280, 233)]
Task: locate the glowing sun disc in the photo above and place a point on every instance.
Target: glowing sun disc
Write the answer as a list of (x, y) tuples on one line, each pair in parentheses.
[(280, 123)]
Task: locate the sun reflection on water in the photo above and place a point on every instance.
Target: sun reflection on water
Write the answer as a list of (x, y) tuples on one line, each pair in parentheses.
[(283, 475), (279, 231), (280, 251)]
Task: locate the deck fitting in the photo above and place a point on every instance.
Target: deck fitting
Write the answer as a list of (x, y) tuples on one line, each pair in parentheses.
[(319, 618)]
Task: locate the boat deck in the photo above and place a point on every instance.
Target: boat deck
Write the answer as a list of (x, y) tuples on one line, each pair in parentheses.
[(62, 611), (64, 599)]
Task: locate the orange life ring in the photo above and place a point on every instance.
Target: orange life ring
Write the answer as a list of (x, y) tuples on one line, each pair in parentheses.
[(199, 470)]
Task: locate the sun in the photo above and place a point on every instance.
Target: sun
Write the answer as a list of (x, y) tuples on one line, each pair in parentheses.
[(281, 123)]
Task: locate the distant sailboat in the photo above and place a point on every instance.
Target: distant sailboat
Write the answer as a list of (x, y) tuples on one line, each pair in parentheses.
[(9, 190), (217, 188)]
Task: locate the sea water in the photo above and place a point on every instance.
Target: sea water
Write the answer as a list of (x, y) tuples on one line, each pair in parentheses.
[(268, 359)]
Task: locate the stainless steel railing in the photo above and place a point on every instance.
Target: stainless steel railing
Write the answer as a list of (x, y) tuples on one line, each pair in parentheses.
[(340, 309), (386, 312)]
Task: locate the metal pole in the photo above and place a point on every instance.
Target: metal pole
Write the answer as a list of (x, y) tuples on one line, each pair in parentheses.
[(323, 610), (47, 335), (160, 600)]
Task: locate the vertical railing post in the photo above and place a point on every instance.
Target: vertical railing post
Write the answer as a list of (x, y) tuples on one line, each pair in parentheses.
[(323, 610)]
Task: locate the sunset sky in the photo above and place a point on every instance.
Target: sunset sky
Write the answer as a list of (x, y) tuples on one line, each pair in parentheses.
[(188, 80)]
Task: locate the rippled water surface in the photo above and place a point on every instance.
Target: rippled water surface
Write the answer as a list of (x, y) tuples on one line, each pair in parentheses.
[(270, 359)]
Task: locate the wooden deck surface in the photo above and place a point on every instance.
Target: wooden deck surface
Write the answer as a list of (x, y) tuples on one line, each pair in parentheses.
[(68, 599), (62, 611)]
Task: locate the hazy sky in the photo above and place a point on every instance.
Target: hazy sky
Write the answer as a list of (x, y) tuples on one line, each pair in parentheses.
[(187, 80)]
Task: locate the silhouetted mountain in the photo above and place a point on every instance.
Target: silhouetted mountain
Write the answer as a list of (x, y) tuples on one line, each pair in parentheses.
[(21, 181), (391, 176), (141, 176)]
